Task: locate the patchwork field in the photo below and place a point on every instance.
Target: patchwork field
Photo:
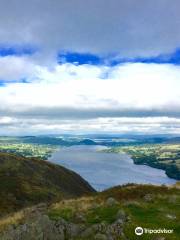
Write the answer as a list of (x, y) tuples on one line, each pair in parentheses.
[(163, 156)]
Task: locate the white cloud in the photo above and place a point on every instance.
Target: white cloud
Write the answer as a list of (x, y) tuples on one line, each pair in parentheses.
[(129, 86), (99, 125), (94, 98), (5, 120), (14, 68), (91, 98)]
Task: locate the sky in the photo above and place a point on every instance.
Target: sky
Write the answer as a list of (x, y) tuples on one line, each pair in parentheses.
[(89, 67)]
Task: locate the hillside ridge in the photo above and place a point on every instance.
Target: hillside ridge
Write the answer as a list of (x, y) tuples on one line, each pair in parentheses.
[(28, 181)]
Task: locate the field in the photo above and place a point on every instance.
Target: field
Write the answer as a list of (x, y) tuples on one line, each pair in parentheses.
[(162, 153), (163, 156), (42, 151)]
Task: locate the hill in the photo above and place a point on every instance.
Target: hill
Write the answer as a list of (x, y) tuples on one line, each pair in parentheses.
[(40, 200), (110, 215), (28, 181), (87, 142)]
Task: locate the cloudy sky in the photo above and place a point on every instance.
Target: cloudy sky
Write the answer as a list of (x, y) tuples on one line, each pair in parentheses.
[(89, 66)]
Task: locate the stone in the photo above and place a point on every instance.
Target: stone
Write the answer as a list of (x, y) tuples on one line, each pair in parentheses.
[(94, 205), (110, 237), (72, 230), (115, 229), (160, 238), (42, 229), (121, 215), (60, 221), (79, 218), (100, 236), (172, 199), (148, 198), (101, 227), (111, 201), (88, 232), (119, 221), (171, 216)]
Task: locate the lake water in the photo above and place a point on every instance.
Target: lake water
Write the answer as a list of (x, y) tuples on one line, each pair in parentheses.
[(103, 170)]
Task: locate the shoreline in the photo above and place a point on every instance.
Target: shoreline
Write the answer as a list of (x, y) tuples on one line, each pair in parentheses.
[(113, 169)]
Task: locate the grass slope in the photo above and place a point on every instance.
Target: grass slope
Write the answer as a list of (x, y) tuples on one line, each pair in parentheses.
[(147, 206), (27, 181)]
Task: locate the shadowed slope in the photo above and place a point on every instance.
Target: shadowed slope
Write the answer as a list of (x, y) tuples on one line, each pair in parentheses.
[(27, 181)]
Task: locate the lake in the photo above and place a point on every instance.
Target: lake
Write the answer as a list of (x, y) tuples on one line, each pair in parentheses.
[(103, 170)]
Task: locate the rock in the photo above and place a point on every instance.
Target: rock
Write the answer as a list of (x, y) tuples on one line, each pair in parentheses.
[(114, 229), (79, 218), (88, 232), (94, 205), (41, 229), (172, 199), (121, 215), (41, 207), (170, 216), (72, 230), (46, 229), (97, 227), (110, 238), (160, 238), (148, 198), (61, 222), (119, 221), (100, 236), (101, 227), (111, 201)]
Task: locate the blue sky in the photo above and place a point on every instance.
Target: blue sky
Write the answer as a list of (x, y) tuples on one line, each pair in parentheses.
[(16, 51), (87, 58), (99, 66)]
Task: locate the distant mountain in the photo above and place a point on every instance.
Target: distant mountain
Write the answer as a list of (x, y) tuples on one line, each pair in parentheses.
[(56, 141), (87, 142), (45, 140), (27, 181), (106, 140)]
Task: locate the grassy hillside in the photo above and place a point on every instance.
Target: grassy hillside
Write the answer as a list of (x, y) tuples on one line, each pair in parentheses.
[(27, 181), (48, 202), (110, 215)]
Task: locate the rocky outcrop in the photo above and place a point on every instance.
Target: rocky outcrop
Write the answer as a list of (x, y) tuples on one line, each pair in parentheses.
[(43, 228)]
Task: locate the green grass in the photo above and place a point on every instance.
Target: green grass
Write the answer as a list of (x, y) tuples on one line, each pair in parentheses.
[(154, 216), (29, 181), (102, 214), (56, 214)]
